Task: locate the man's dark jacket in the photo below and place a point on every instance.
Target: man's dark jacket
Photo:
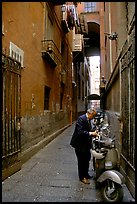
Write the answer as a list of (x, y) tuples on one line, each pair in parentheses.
[(81, 138)]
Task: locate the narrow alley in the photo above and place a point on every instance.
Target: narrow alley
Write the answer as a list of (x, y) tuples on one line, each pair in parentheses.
[(51, 176), (59, 59)]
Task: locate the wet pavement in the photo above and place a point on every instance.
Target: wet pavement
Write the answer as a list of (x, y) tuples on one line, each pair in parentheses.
[(51, 176)]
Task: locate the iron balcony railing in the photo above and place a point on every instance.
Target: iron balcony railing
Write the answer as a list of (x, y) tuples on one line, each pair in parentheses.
[(50, 52)]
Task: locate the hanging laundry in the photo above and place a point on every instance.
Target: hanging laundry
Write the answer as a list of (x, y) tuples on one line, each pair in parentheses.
[(70, 19)]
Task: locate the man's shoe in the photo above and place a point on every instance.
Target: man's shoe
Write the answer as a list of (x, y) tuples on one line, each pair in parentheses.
[(85, 181), (89, 177)]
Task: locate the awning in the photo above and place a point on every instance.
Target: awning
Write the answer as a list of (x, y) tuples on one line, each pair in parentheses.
[(93, 97)]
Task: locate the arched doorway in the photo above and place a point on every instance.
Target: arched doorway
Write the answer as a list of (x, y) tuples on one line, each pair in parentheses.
[(92, 44)]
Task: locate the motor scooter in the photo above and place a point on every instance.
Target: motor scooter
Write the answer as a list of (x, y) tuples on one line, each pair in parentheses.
[(106, 164)]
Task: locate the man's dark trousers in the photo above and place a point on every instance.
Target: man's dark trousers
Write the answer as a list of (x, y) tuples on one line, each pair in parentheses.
[(83, 158)]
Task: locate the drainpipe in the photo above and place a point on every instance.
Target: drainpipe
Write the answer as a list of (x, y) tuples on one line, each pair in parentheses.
[(120, 119), (110, 45)]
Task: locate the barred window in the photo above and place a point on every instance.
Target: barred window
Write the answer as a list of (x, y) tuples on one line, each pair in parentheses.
[(90, 6), (16, 53), (49, 28)]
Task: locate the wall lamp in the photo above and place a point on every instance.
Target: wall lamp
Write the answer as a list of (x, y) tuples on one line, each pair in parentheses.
[(74, 83), (103, 80), (112, 36)]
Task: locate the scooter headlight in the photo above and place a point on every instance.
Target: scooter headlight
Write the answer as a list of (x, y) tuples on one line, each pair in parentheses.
[(108, 165)]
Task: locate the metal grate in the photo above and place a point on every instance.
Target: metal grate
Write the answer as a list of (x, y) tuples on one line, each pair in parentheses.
[(128, 100), (11, 83)]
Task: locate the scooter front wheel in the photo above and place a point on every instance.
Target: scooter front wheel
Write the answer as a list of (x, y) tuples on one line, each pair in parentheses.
[(111, 191)]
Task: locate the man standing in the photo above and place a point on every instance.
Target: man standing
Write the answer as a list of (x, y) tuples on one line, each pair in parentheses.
[(82, 140)]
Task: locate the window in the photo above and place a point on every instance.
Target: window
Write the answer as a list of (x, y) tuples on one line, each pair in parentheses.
[(49, 24), (16, 53), (90, 6), (46, 98)]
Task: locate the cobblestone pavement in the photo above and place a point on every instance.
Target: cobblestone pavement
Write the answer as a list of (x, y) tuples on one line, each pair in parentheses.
[(51, 176)]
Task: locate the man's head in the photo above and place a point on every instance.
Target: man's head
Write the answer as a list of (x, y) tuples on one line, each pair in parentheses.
[(91, 113)]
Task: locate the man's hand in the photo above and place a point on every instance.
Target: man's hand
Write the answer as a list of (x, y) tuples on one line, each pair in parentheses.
[(93, 133)]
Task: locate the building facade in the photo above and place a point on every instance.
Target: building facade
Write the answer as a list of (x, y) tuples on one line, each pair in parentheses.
[(46, 73), (38, 102), (111, 33), (119, 74), (39, 41)]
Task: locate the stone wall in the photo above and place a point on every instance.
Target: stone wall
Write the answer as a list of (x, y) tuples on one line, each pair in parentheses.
[(35, 128)]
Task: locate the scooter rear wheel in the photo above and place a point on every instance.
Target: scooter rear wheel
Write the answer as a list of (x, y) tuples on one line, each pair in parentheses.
[(111, 192)]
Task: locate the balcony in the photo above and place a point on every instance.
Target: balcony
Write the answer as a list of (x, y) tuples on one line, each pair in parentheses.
[(77, 43), (78, 47), (50, 52)]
